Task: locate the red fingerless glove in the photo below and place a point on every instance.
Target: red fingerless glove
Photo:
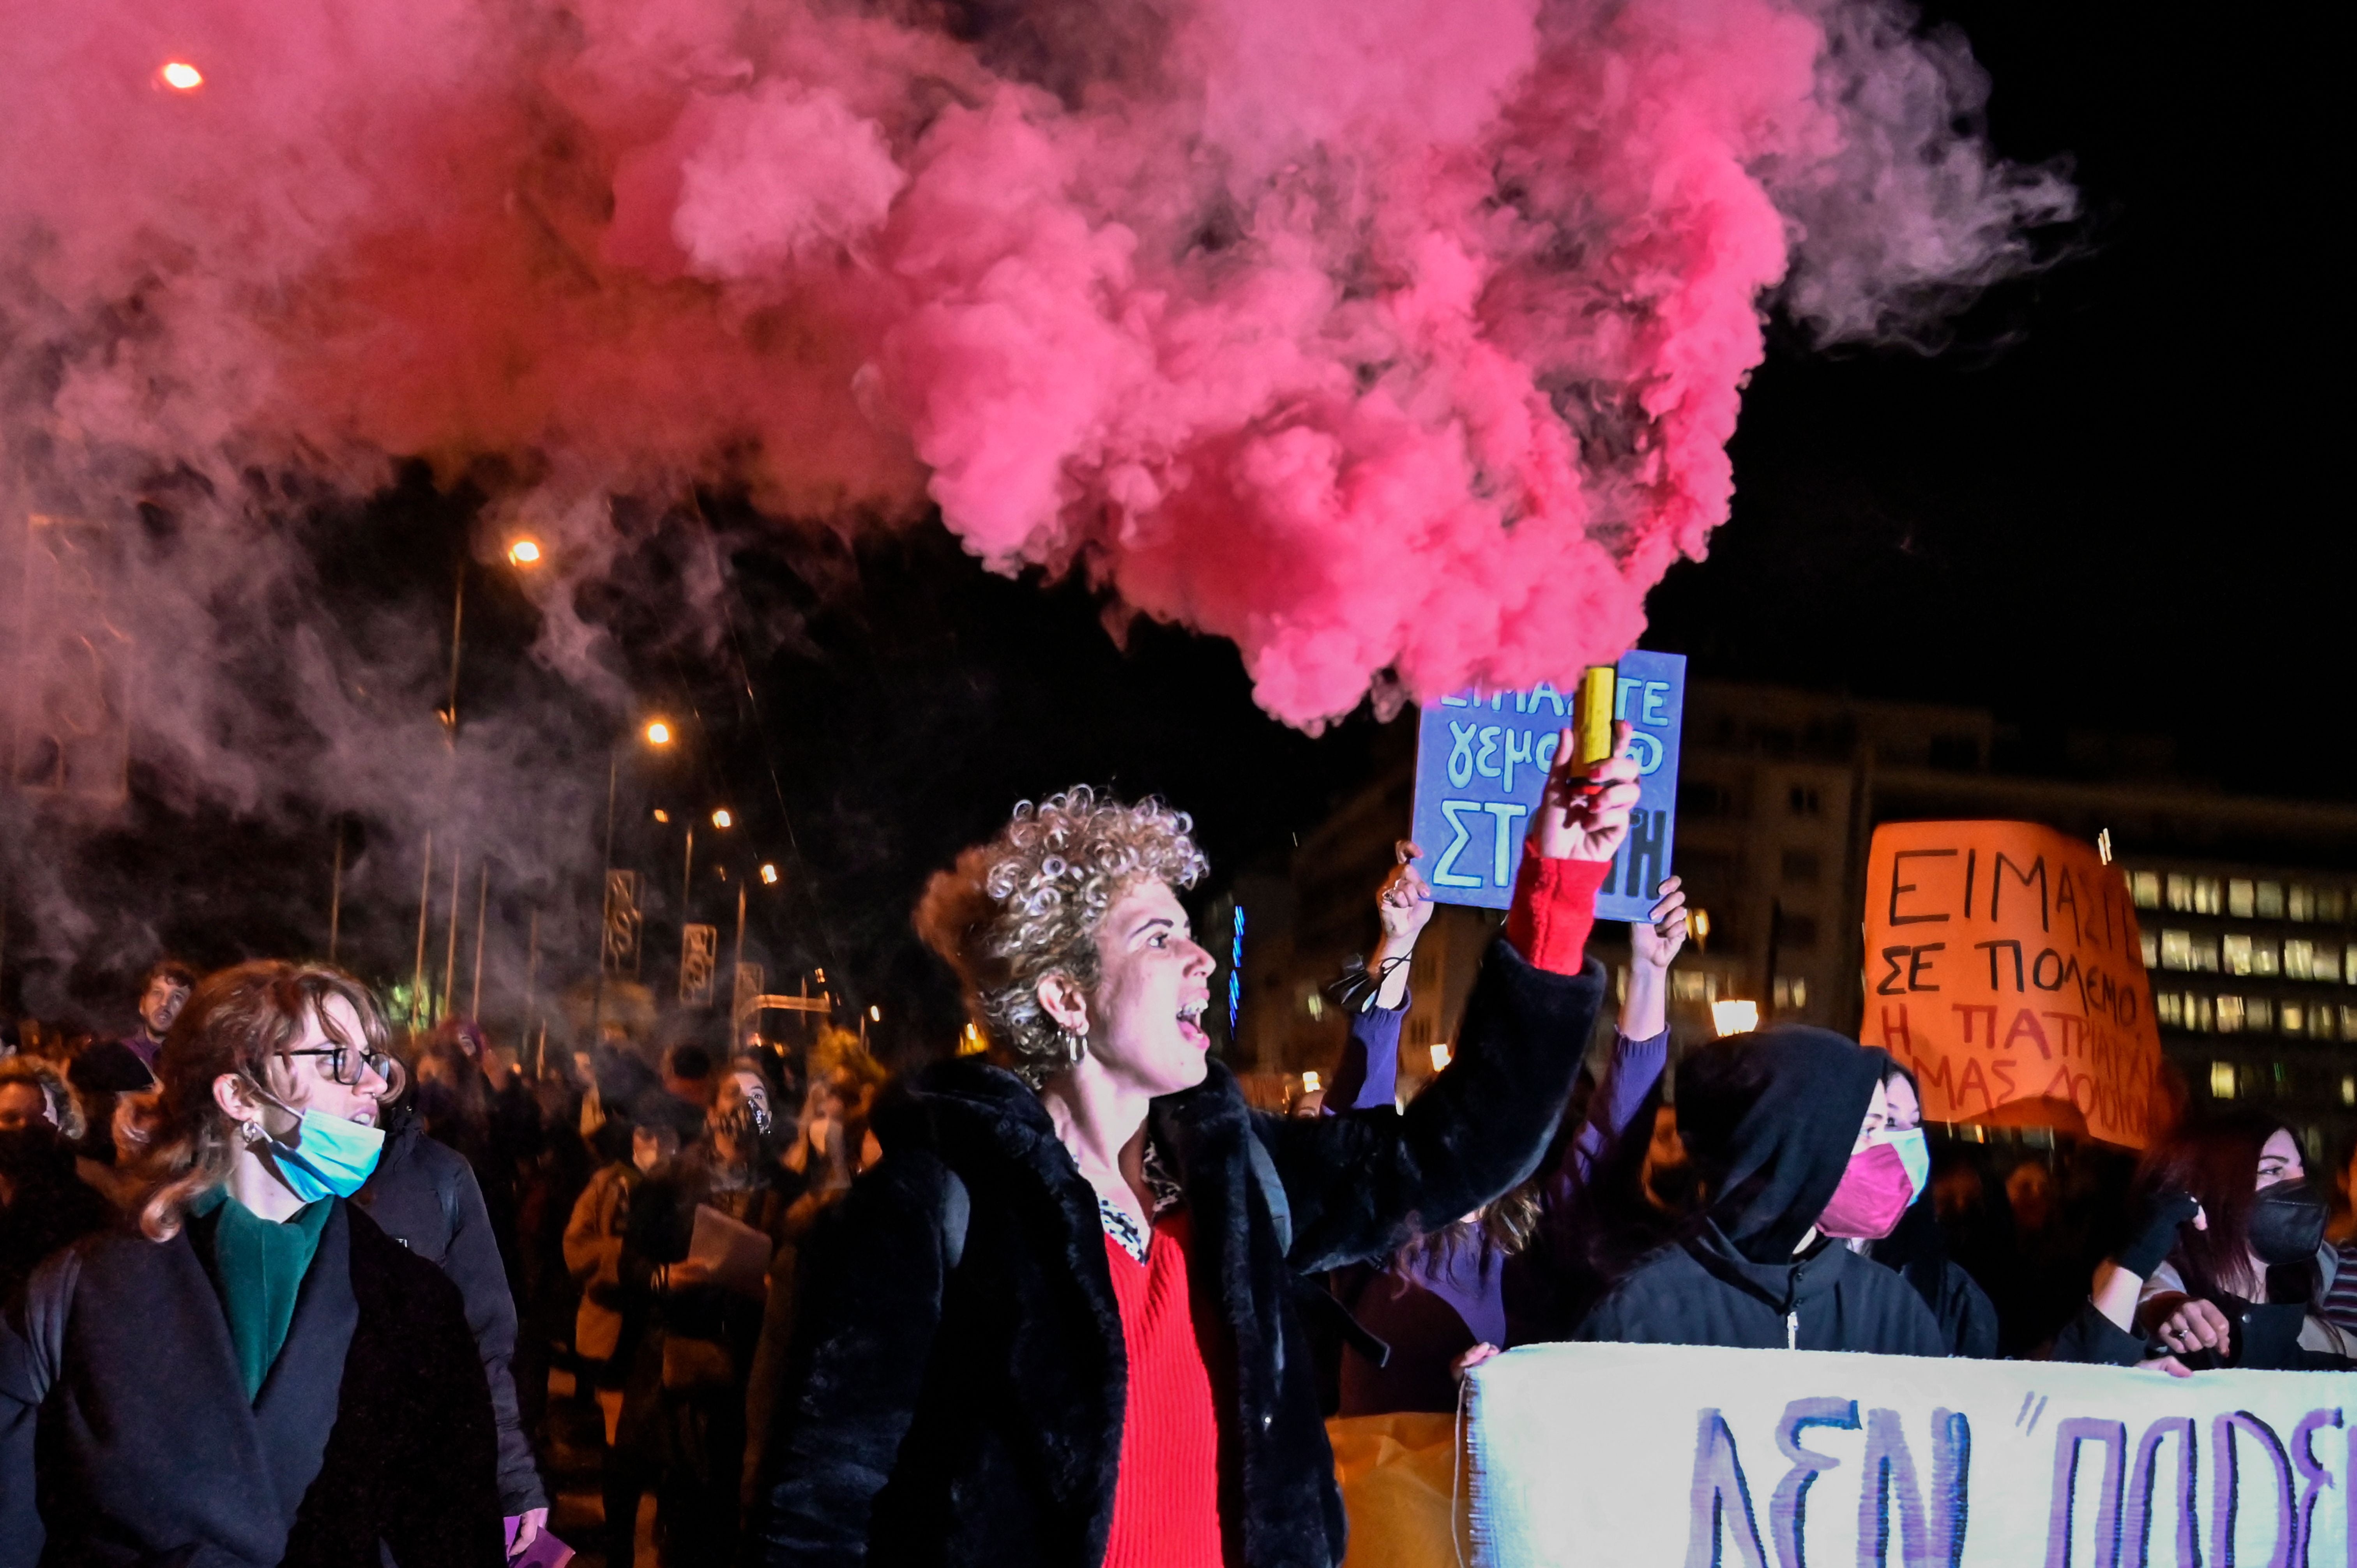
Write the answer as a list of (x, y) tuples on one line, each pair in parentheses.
[(1554, 905)]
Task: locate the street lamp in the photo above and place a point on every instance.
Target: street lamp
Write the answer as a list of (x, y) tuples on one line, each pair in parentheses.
[(524, 552), (658, 732), (769, 874), (1731, 1016), (180, 76), (721, 818)]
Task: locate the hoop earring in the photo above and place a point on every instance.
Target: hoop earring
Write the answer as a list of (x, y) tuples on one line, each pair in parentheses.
[(253, 1134), (1075, 1042)]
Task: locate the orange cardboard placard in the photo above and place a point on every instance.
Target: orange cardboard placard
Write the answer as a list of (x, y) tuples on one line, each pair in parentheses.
[(2004, 966)]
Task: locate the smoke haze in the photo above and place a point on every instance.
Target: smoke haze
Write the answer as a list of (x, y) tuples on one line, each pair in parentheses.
[(1397, 341)]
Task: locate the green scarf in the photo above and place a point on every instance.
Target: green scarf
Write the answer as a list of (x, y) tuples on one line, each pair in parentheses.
[(257, 1265)]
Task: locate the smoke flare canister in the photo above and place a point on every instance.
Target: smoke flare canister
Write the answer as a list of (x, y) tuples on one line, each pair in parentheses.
[(1591, 720)]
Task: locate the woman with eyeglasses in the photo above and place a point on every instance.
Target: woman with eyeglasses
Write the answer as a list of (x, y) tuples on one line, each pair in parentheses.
[(252, 1372)]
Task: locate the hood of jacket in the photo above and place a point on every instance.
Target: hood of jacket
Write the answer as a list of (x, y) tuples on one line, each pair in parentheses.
[(1770, 1119)]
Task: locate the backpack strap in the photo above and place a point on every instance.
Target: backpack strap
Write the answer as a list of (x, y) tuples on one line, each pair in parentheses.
[(957, 1208), (1271, 1190)]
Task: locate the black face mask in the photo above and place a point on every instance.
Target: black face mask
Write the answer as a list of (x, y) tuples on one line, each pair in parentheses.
[(2287, 1223), (26, 1149), (1674, 1189)]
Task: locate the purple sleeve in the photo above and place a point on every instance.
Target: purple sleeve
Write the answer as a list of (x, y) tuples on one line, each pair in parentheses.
[(1367, 1077), (1629, 1076)]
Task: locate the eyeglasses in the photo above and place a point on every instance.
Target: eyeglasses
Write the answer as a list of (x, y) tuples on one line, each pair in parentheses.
[(350, 1064)]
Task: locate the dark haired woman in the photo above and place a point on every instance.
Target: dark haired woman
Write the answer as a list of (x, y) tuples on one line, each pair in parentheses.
[(256, 1374), (1444, 1303), (2226, 1257), (1054, 1326)]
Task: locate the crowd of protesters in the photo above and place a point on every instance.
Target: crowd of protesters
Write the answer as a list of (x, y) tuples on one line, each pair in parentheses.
[(280, 1287)]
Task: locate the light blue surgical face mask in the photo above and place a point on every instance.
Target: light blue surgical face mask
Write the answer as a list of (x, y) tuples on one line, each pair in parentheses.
[(333, 1157), (1915, 1154)]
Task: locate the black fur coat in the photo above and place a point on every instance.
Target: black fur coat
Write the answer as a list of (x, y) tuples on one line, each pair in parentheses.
[(971, 1415)]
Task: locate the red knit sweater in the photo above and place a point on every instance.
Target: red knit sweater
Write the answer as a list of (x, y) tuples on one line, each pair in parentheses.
[(1166, 1502), (1554, 906)]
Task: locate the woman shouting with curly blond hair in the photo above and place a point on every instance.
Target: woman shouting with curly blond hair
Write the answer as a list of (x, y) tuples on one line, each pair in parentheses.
[(1054, 1326)]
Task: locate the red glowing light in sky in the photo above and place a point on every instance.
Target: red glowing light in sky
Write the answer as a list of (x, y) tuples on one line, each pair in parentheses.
[(180, 76)]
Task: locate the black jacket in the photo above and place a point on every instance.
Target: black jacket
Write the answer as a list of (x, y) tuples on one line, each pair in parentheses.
[(1706, 1293), (424, 1195), (971, 1415), (1918, 1254), (53, 1206), (1769, 1121), (127, 1439)]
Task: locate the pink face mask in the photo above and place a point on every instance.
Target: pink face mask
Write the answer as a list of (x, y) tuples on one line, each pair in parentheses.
[(1874, 1192)]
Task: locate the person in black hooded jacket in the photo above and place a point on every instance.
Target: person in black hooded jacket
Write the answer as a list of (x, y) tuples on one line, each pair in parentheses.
[(1055, 1325), (424, 1195), (1781, 1126)]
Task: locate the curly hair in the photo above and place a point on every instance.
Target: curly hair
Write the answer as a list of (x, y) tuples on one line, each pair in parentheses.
[(1028, 904), (64, 1109)]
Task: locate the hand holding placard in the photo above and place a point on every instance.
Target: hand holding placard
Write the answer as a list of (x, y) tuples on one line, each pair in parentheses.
[(1584, 814)]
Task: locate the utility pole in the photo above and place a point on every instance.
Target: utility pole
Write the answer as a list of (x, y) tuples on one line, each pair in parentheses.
[(424, 906)]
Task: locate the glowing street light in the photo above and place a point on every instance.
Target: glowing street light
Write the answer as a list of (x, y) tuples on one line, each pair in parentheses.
[(1439, 1056), (524, 552), (876, 1015), (1729, 1017), (769, 874), (658, 732), (180, 76), (721, 818), (661, 815)]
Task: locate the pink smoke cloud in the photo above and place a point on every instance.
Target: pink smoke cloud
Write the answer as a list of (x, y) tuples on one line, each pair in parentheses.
[(1398, 341)]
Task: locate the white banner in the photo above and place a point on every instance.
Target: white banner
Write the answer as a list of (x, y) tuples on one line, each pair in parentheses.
[(1669, 1456)]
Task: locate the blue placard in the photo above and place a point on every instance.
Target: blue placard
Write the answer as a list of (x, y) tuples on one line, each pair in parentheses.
[(1482, 763)]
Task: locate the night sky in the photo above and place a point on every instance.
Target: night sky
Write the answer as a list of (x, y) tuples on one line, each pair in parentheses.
[(2104, 506)]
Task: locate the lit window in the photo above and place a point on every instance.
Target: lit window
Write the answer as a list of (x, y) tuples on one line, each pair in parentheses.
[(2229, 1014), (2271, 901), (2319, 1023), (2332, 905), (2263, 957), (1687, 985), (2295, 1018), (2237, 954), (2199, 1016), (2301, 904), (2348, 963), (2181, 893), (2205, 954), (2298, 960), (2145, 887), (2282, 1076), (2209, 895), (2177, 950), (2169, 1008), (2222, 1080), (1315, 1005), (2348, 1090), (2239, 901), (2349, 1023), (2151, 950), (1791, 993), (2324, 963), (2259, 1014)]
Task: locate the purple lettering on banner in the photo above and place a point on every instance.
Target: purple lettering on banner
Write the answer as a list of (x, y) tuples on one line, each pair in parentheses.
[(1787, 1509), (2138, 1525), (1952, 1479), (2068, 1437), (2225, 1500), (1720, 1501), (1889, 1479), (2314, 1475)]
